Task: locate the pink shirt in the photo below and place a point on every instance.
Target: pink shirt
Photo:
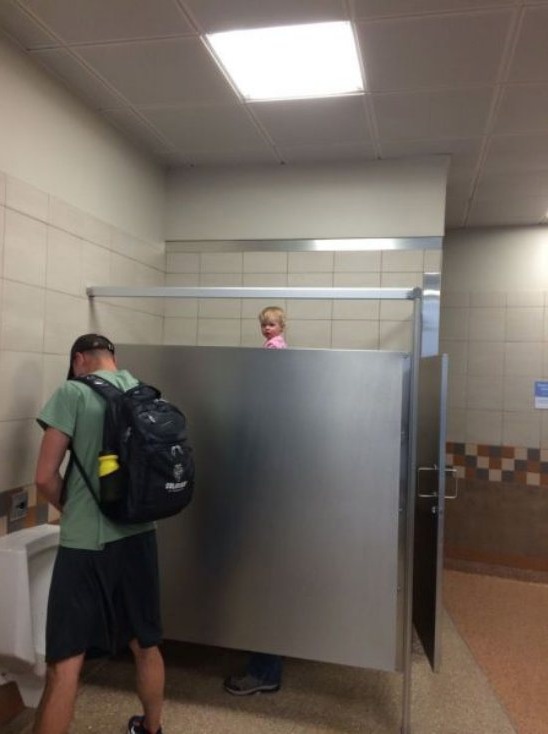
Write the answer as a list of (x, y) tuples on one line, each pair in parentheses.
[(277, 342)]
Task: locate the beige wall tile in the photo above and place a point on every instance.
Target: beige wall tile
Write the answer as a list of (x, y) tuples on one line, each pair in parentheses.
[(183, 262), (457, 352), (354, 262), (95, 265), (401, 279), (251, 307), (265, 262), (433, 261), (524, 324), (395, 335), (454, 299), (523, 358), (20, 384), (310, 262), (265, 280), (219, 332), (456, 391), (454, 324), (486, 358), (396, 310), (219, 308), (518, 393), (525, 298), (97, 231), (356, 310), (181, 307), (25, 249), (309, 334), (67, 217), (486, 324), (309, 309), (310, 280), (66, 317), (521, 428), (543, 428), (221, 280), (27, 199), (221, 262), (2, 188), (402, 261), (251, 334), (22, 327), (483, 426), (65, 259), (357, 280), (488, 300), (456, 424), (19, 443), (484, 392), (181, 331), (355, 335), (55, 372), (2, 227)]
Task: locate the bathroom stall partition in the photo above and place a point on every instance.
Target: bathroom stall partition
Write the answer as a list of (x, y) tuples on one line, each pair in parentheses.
[(300, 540)]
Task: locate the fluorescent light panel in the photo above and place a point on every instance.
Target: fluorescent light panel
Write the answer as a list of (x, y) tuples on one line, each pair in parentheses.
[(291, 62)]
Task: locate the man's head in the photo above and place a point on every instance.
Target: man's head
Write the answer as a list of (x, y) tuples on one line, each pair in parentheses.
[(90, 352)]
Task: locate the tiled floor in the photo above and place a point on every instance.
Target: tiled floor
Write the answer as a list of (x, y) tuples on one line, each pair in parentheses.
[(315, 698), (505, 624)]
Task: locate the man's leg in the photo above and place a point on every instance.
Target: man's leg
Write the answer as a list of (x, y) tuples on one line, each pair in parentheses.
[(149, 665), (56, 707)]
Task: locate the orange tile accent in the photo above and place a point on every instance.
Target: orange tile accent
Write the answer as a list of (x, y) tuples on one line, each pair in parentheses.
[(508, 452), (483, 450)]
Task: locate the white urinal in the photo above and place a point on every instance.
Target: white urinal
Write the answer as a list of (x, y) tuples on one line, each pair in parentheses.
[(26, 564)]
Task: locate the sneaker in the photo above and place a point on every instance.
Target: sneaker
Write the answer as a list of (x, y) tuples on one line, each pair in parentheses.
[(245, 685), (136, 725)]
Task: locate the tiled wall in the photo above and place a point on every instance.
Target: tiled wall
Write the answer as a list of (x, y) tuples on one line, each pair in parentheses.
[(49, 253), (498, 346), (323, 324)]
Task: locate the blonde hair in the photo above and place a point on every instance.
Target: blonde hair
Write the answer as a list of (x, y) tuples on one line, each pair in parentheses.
[(275, 313)]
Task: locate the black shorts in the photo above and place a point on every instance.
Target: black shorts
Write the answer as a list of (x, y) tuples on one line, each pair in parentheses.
[(100, 600)]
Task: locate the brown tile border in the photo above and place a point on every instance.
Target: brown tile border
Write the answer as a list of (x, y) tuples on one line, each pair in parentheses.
[(514, 464)]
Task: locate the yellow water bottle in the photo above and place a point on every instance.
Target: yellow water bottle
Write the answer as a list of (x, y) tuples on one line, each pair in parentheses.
[(109, 477), (108, 463)]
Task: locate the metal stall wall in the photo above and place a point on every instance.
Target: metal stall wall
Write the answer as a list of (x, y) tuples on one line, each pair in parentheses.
[(293, 543)]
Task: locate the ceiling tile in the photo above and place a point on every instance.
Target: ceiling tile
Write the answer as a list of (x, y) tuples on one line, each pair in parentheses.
[(313, 121), (379, 8), (522, 186), (523, 108), (222, 15), (205, 128), (506, 212), (455, 113), (22, 27), (530, 62), (325, 153), (160, 72), (82, 21), (77, 77), (433, 51), (464, 154), (224, 157), (517, 153)]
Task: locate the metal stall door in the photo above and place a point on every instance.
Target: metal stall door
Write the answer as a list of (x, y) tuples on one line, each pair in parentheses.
[(430, 505), (292, 542)]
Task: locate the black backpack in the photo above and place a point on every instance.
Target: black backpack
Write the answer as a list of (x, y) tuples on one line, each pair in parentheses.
[(145, 438)]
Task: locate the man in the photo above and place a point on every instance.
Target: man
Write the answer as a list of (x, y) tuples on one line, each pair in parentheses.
[(105, 588)]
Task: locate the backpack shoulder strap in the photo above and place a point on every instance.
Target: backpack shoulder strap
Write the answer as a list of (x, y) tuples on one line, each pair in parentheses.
[(105, 388)]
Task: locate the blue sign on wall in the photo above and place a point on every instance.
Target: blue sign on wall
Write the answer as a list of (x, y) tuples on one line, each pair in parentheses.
[(541, 394)]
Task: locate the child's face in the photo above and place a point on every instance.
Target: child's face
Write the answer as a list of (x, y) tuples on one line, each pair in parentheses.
[(271, 328)]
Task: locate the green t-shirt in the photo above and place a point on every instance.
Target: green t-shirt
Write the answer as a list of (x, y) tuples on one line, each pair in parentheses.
[(78, 411)]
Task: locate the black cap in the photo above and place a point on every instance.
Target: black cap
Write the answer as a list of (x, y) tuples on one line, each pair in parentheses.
[(86, 343)]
